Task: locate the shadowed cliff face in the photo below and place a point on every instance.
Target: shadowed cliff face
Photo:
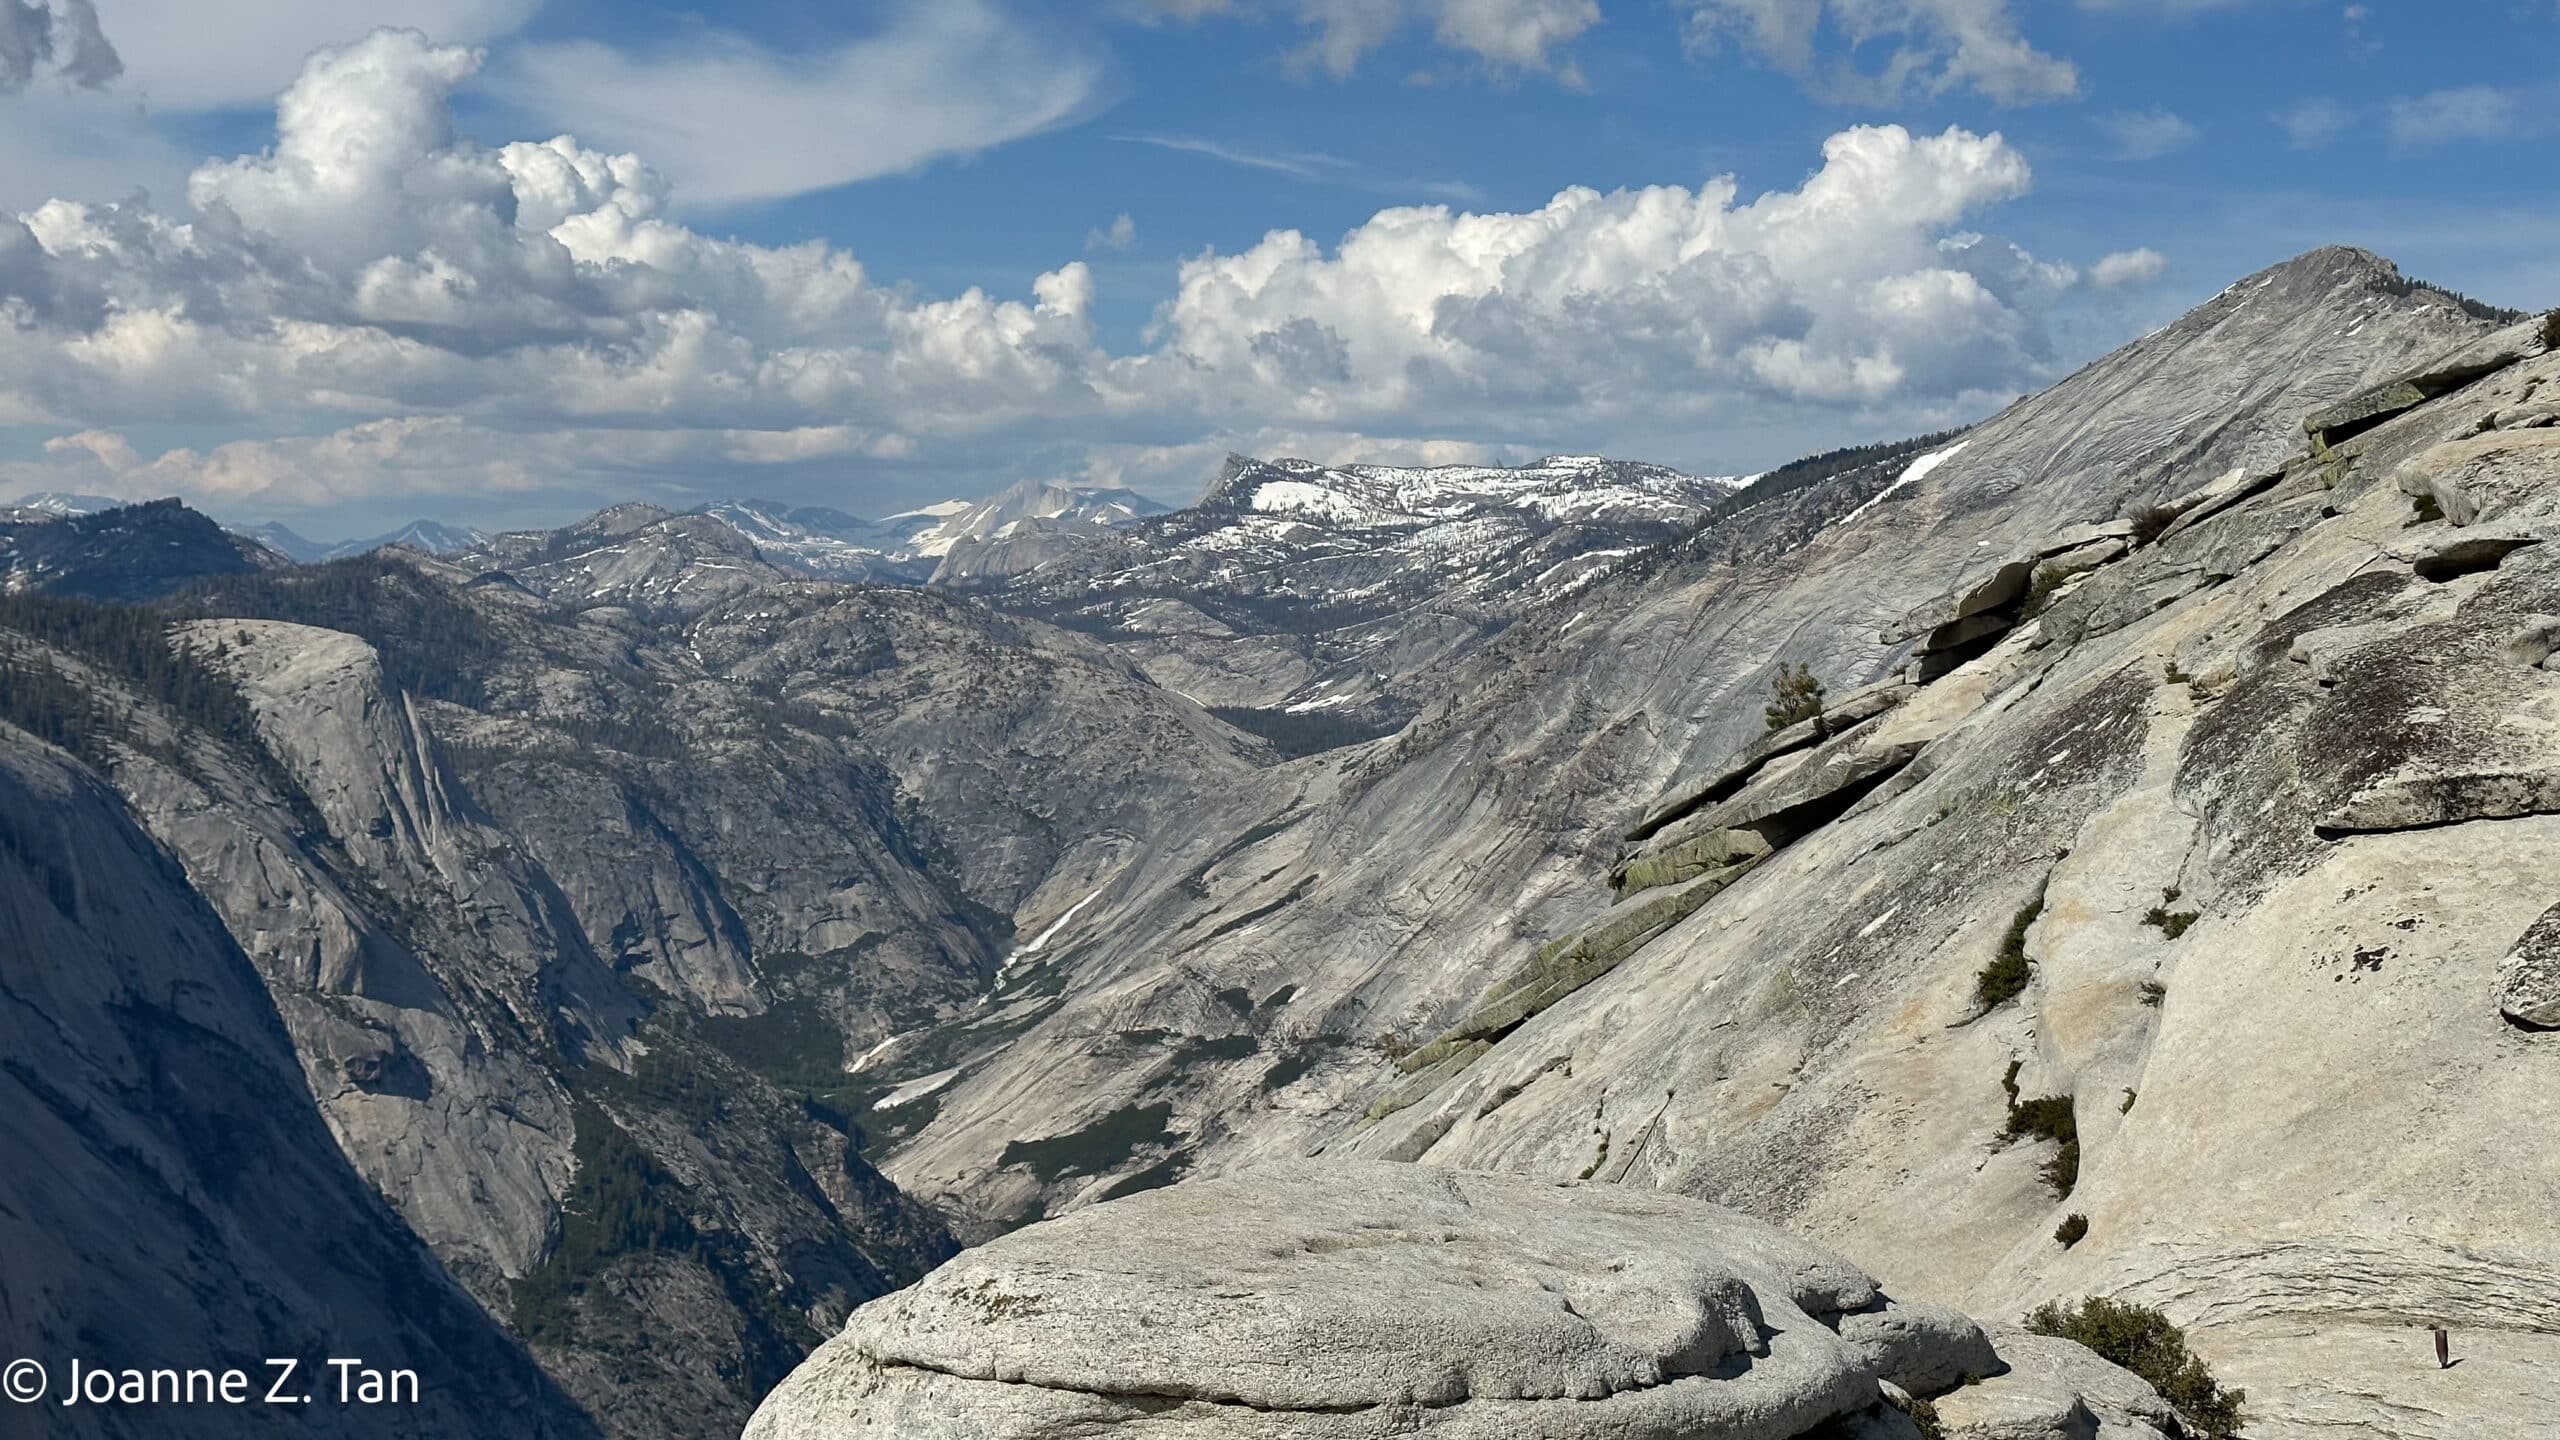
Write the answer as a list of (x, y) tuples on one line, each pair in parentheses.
[(172, 1198)]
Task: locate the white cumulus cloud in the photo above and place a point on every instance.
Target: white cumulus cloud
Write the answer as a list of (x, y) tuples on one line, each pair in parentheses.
[(381, 306), (2128, 267)]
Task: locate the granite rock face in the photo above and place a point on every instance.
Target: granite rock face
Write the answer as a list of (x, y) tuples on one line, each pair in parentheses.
[(1362, 1299), (2264, 905)]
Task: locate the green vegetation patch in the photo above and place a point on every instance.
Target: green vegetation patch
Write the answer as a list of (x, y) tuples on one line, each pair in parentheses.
[(432, 642), (1307, 732), (2143, 1341), (2006, 977), (794, 1043), (1101, 1147), (2049, 1117), (2172, 923), (622, 1202)]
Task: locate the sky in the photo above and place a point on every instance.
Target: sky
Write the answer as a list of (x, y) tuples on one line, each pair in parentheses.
[(498, 262)]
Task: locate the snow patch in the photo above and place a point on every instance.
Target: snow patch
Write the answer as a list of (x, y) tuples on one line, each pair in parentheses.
[(1045, 936), (1913, 473), (916, 1089)]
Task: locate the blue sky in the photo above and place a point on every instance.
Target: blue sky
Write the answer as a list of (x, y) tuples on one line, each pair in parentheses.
[(870, 254)]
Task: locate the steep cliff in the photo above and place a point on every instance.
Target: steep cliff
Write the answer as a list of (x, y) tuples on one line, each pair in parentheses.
[(173, 1200)]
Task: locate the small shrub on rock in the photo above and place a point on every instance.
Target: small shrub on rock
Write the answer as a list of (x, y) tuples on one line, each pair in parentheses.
[(2061, 1174), (2050, 1117), (2143, 1341), (2172, 923), (2150, 522), (2073, 1230), (2005, 978), (1796, 697)]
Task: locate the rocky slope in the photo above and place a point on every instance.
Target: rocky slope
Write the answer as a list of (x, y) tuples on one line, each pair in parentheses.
[(2295, 864), (646, 558), (1366, 1300)]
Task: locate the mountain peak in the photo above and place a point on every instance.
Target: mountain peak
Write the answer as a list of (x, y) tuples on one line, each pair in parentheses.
[(63, 502)]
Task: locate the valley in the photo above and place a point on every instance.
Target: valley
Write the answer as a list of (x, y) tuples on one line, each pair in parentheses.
[(647, 941)]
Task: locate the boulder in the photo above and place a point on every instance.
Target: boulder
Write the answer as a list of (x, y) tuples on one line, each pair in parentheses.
[(1692, 855), (2061, 565), (2533, 642), (1999, 588), (2482, 477), (1361, 1300), (2055, 1389), (1811, 792), (1971, 630), (1922, 1349), (2529, 978)]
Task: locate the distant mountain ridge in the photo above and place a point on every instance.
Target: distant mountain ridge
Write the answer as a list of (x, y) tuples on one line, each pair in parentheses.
[(910, 547), (59, 504), (433, 537), (1295, 586), (128, 552)]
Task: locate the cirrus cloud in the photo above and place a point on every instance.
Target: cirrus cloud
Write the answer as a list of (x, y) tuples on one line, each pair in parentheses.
[(1505, 34), (945, 78), (1935, 46)]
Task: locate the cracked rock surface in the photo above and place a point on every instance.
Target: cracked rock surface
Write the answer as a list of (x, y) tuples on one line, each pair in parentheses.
[(1359, 1299)]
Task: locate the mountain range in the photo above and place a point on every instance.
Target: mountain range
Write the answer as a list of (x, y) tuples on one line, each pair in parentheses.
[(629, 948)]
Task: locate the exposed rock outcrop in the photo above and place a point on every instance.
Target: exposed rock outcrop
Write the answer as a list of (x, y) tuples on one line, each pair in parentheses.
[(1313, 1301), (170, 1198), (2525, 340)]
